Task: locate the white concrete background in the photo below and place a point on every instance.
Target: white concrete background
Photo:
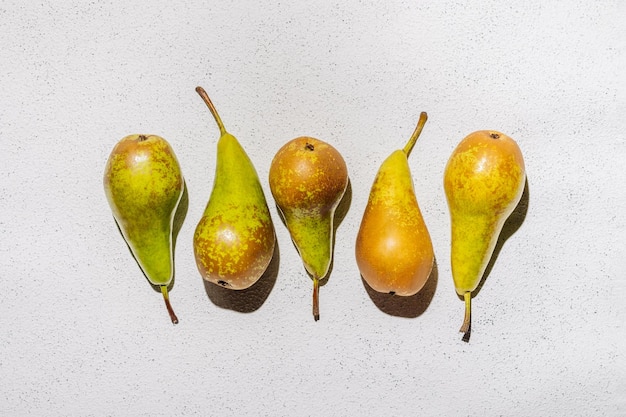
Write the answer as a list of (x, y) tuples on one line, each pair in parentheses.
[(83, 334)]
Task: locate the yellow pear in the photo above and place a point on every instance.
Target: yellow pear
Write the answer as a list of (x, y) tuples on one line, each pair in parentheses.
[(483, 180), (394, 251)]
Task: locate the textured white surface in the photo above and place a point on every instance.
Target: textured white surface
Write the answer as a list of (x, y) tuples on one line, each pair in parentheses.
[(83, 334)]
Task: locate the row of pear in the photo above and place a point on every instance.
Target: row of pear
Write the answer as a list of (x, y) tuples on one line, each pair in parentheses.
[(235, 238)]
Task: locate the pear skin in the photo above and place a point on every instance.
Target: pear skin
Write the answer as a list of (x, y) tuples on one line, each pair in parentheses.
[(308, 177), (393, 250), (234, 240), (483, 181), (143, 184)]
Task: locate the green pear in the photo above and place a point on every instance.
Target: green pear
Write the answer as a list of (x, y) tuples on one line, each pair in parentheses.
[(393, 250), (234, 240), (144, 185), (483, 181), (308, 178)]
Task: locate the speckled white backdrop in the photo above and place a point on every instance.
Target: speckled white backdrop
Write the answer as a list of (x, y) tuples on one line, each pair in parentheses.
[(83, 334)]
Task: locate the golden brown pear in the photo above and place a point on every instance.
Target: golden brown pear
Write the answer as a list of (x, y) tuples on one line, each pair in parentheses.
[(394, 251), (483, 181), (308, 178)]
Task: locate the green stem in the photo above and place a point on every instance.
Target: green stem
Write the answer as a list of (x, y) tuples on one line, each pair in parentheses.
[(418, 129)]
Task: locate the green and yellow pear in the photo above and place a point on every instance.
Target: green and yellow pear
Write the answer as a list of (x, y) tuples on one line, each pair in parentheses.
[(393, 250), (483, 180), (144, 185), (234, 240), (308, 178)]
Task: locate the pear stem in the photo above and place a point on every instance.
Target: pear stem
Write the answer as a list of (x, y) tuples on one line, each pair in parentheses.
[(316, 299), (467, 319), (209, 103), (170, 310), (418, 129)]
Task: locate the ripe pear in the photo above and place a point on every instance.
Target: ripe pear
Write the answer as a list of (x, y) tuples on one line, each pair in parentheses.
[(234, 240), (308, 178), (483, 181), (144, 185), (394, 251)]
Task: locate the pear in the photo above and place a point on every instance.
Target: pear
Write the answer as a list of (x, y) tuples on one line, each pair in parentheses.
[(393, 250), (234, 240), (144, 185), (308, 178), (483, 181)]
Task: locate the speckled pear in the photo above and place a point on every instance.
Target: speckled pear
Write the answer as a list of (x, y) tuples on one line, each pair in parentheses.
[(308, 177), (234, 240), (393, 249), (144, 185), (483, 180)]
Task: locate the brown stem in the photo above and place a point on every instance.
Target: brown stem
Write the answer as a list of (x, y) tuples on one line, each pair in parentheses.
[(416, 133), (170, 310), (209, 103), (316, 299), (467, 319)]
